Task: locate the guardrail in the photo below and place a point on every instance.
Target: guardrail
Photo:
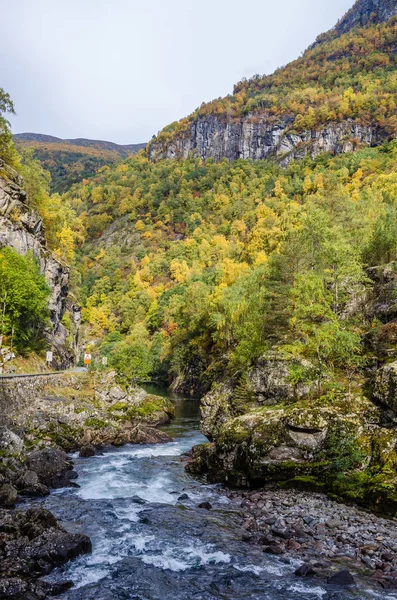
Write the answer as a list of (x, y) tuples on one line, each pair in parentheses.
[(25, 375)]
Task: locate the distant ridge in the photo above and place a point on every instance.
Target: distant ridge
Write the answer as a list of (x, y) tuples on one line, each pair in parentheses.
[(122, 149)]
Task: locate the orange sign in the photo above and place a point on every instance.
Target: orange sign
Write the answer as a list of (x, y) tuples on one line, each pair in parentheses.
[(87, 358)]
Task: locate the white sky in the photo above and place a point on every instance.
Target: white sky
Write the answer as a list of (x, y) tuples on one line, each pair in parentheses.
[(121, 70)]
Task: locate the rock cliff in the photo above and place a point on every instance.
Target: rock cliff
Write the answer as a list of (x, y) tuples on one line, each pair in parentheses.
[(257, 138), (22, 229)]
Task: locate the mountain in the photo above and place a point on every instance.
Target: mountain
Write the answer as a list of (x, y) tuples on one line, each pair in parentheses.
[(71, 161), (122, 149), (339, 96)]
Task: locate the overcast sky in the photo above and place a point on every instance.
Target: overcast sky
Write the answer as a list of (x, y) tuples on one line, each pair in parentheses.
[(121, 70)]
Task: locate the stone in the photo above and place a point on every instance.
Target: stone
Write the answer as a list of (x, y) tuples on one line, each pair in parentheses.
[(305, 570), (273, 549), (87, 451), (205, 505), (8, 495), (385, 386), (10, 443), (51, 466), (342, 578), (28, 484)]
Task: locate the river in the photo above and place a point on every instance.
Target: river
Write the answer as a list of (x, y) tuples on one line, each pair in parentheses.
[(152, 542)]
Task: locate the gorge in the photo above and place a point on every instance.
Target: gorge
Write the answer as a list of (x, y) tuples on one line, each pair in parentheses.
[(244, 262)]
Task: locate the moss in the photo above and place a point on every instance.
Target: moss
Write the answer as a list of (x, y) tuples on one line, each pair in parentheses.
[(150, 406), (95, 422)]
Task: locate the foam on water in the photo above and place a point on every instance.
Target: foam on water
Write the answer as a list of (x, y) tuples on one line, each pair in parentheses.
[(183, 558)]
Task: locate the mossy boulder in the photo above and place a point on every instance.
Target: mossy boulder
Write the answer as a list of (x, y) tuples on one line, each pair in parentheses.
[(334, 443)]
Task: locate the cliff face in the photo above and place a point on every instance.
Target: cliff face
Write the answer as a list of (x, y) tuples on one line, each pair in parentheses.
[(217, 138), (22, 229), (365, 11)]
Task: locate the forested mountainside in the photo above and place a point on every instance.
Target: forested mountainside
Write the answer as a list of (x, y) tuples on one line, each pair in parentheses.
[(268, 282), (71, 161), (339, 96)]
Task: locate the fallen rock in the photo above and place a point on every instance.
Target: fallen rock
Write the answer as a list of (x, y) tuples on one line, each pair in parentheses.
[(342, 578), (149, 435), (28, 484), (32, 545)]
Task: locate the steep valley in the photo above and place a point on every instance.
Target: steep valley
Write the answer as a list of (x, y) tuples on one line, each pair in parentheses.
[(245, 263)]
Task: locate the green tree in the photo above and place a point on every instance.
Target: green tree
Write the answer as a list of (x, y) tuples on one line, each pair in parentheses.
[(23, 301)]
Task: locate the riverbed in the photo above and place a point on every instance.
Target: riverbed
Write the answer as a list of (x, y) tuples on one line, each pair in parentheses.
[(151, 541)]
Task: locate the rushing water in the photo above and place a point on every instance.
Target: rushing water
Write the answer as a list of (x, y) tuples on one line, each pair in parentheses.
[(151, 542)]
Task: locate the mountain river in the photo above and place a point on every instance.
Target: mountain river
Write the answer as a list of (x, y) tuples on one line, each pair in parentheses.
[(152, 542)]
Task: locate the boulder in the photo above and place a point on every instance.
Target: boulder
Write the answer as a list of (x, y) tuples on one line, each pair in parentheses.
[(8, 495), (10, 443), (87, 451), (149, 435), (342, 578), (305, 570), (32, 545), (28, 483), (52, 466)]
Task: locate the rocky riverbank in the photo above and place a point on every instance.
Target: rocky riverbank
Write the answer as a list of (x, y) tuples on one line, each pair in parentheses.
[(325, 536), (32, 544), (42, 419)]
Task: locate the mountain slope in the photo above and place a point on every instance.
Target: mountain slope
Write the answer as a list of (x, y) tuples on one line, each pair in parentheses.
[(122, 149), (71, 161), (340, 95)]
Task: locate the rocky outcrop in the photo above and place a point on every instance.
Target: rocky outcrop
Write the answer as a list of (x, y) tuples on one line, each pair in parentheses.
[(32, 544), (267, 383), (22, 229), (333, 444), (262, 137), (73, 410), (364, 12)]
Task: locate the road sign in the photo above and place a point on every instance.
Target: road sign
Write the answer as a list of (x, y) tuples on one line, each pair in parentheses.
[(104, 361), (49, 357), (87, 358)]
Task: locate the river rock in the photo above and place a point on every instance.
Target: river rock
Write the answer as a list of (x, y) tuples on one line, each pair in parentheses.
[(8, 495), (52, 466), (305, 570), (342, 578), (87, 451), (32, 544), (149, 435), (28, 483)]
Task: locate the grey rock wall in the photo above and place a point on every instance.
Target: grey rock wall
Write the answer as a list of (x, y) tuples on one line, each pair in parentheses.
[(217, 138)]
